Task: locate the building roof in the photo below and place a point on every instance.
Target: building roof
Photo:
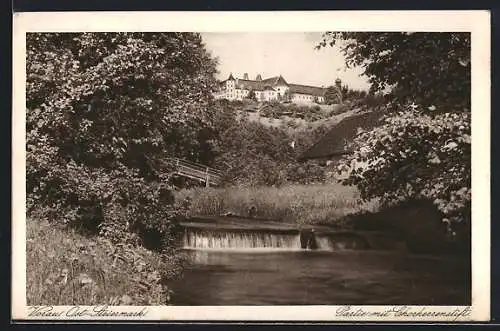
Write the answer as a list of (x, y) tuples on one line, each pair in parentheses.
[(305, 89), (333, 142), (276, 80), (250, 85)]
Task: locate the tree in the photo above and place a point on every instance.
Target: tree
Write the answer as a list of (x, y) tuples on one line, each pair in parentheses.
[(103, 111), (253, 153), (422, 150), (332, 95), (346, 92), (425, 68), (415, 155)]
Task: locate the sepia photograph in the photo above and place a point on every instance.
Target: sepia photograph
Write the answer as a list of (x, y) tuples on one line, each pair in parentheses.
[(307, 168)]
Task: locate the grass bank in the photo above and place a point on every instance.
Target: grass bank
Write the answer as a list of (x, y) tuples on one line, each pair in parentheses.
[(67, 268), (303, 204), (416, 222)]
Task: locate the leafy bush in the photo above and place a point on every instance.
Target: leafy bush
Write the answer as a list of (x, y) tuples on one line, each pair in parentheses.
[(422, 151), (252, 154), (103, 111), (416, 154)]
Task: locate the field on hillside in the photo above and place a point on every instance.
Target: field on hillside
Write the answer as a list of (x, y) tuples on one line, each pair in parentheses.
[(301, 123), (303, 204), (268, 114)]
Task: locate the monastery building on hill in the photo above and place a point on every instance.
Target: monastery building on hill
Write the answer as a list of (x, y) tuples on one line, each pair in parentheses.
[(274, 88)]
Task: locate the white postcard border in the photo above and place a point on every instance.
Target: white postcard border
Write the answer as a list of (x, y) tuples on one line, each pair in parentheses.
[(476, 22)]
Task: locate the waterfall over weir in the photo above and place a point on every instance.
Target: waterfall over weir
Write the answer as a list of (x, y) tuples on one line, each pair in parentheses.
[(209, 239), (238, 233)]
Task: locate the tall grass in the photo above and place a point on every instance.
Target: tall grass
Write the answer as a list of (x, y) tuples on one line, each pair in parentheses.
[(302, 204), (66, 268)]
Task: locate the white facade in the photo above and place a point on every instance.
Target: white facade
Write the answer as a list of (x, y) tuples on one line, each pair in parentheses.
[(281, 89), (270, 94), (270, 89), (302, 98)]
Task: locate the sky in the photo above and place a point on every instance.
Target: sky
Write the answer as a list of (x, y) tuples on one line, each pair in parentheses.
[(290, 54)]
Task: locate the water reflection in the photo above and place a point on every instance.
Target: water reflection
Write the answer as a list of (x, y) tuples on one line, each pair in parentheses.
[(288, 277)]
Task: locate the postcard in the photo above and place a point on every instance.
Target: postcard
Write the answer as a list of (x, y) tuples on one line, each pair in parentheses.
[(251, 166)]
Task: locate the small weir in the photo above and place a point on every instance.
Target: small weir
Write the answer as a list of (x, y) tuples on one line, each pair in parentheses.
[(234, 233), (210, 239)]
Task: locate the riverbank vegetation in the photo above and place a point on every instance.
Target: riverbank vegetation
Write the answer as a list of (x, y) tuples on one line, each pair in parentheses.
[(64, 267), (320, 203)]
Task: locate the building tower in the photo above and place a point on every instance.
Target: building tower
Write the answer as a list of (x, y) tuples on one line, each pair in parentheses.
[(245, 76), (259, 77), (338, 84)]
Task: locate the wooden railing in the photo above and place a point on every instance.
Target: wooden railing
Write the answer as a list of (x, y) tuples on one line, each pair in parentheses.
[(208, 175)]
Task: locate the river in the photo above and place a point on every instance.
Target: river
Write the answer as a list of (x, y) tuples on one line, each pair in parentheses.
[(302, 277)]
